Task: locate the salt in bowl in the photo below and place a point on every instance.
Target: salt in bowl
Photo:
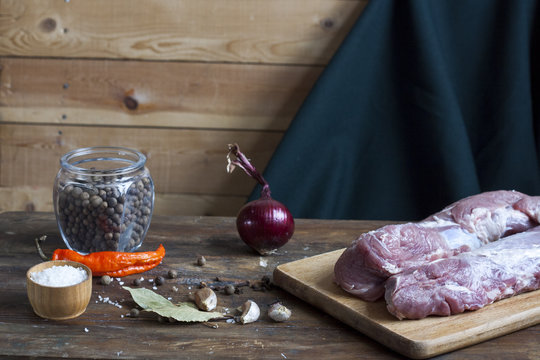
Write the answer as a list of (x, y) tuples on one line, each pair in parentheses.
[(59, 303)]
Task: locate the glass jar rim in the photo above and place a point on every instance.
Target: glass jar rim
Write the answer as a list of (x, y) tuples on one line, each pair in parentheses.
[(136, 159)]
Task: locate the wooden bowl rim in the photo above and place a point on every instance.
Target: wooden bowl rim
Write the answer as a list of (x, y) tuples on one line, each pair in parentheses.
[(48, 264)]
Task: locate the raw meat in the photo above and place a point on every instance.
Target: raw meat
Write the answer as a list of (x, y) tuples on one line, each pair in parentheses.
[(468, 281), (462, 226)]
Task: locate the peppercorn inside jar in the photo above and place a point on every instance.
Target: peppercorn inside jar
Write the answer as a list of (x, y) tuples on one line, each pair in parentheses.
[(103, 199)]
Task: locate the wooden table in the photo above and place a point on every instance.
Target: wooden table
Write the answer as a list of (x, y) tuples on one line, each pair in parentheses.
[(104, 331)]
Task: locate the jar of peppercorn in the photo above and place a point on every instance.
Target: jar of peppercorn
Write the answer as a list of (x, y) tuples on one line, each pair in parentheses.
[(103, 199)]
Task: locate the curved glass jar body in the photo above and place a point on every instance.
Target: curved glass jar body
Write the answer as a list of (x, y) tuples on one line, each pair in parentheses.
[(103, 199)]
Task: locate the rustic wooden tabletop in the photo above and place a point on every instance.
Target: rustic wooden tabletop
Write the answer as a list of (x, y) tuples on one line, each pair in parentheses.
[(105, 332)]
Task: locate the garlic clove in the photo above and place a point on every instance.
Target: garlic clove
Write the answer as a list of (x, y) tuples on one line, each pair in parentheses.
[(250, 312), (278, 312), (205, 299)]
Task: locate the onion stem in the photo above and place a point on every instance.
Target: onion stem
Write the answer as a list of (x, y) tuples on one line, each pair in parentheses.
[(242, 162)]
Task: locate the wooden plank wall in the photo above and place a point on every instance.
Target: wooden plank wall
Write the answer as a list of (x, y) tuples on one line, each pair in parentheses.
[(175, 79)]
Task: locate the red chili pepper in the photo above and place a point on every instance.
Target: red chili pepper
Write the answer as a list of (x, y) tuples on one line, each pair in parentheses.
[(114, 263)]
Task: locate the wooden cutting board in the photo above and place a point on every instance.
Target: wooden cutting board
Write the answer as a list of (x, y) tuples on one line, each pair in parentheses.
[(311, 279)]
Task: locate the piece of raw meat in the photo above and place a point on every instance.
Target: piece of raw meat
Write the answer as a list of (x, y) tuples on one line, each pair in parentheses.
[(460, 227), (468, 281)]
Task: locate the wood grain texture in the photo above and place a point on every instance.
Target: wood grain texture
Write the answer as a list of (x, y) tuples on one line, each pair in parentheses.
[(153, 94), (181, 161), (311, 279), (258, 31), (39, 198), (309, 334), (177, 79)]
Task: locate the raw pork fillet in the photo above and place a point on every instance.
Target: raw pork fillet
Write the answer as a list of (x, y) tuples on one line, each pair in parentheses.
[(463, 226), (467, 281)]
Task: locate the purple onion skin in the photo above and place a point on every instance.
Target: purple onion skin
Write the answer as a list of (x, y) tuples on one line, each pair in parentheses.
[(265, 225)]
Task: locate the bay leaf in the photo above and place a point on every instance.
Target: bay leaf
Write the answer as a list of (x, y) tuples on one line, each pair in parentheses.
[(185, 312)]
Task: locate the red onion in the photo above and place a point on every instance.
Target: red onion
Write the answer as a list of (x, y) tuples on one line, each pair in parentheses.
[(264, 224)]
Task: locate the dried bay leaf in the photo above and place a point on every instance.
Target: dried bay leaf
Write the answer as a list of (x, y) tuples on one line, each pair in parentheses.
[(185, 312)]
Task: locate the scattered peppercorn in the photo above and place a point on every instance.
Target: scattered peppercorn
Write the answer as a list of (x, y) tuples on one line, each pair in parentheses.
[(201, 261), (160, 280), (137, 282), (106, 279), (229, 289), (173, 274), (134, 312)]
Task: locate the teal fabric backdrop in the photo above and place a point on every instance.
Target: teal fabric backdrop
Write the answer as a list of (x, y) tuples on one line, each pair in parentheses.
[(425, 102)]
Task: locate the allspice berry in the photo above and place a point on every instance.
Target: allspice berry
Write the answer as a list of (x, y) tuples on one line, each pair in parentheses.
[(229, 289), (173, 274), (201, 261), (134, 312)]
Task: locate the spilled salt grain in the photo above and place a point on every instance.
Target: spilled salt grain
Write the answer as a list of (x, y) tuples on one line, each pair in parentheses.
[(106, 300), (59, 276)]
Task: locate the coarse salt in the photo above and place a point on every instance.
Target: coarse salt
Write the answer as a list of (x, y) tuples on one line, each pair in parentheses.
[(107, 300), (59, 276)]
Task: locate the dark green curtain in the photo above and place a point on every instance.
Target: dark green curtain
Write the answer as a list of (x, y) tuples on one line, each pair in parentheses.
[(425, 102)]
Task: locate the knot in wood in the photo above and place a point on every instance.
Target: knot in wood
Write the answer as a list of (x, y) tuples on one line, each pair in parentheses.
[(327, 23), (131, 103), (48, 25)]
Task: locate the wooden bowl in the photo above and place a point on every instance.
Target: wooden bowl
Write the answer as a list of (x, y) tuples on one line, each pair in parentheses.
[(59, 303)]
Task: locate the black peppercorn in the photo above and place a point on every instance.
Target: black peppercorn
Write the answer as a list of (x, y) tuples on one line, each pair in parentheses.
[(160, 280)]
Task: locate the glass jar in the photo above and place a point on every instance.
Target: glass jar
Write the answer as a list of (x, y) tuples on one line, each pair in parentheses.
[(103, 199)]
